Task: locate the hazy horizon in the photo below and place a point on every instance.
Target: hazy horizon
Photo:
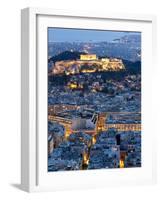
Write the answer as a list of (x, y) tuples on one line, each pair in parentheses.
[(85, 35)]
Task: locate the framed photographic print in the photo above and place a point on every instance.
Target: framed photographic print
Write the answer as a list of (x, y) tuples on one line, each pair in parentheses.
[(87, 117)]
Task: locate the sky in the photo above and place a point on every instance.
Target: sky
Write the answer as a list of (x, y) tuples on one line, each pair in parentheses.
[(80, 35)]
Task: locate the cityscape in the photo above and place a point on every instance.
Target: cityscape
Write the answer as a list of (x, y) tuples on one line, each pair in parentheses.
[(94, 99)]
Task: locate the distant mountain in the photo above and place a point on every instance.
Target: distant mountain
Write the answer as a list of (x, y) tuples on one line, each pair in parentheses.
[(129, 39), (66, 55)]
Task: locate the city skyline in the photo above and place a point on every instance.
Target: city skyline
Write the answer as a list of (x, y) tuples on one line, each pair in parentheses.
[(85, 35)]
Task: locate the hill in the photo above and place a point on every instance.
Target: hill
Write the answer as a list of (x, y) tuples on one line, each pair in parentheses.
[(66, 55), (131, 67)]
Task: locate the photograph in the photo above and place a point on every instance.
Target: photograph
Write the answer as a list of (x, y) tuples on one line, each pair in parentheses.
[(94, 99)]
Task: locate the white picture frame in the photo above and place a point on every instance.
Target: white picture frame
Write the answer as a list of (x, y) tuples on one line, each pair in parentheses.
[(34, 21)]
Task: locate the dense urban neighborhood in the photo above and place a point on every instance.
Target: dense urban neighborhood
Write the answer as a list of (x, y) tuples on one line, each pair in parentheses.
[(94, 105)]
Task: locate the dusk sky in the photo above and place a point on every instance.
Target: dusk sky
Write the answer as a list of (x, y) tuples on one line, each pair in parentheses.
[(80, 35)]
